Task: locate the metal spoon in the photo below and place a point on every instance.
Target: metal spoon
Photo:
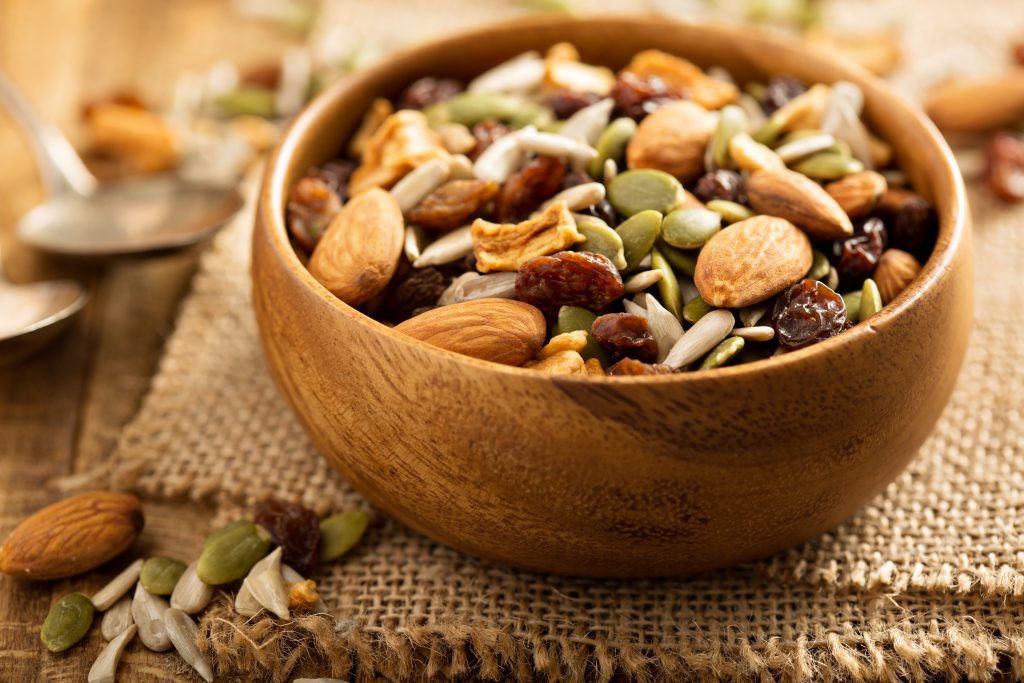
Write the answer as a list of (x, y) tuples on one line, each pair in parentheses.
[(82, 218), (33, 315)]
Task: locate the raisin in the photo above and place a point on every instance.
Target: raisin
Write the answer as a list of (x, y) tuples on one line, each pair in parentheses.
[(422, 288), (336, 174), (450, 205), (637, 97), (603, 209), (486, 132), (625, 335), (293, 527), (721, 184), (630, 366), (1004, 165), (569, 278), (856, 257), (311, 206), (525, 189), (780, 90), (428, 91), (1018, 53), (807, 313), (565, 103)]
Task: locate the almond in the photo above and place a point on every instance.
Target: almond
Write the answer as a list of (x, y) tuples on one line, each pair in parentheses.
[(359, 251), (672, 139), (895, 270), (800, 200), (858, 193), (750, 261), (498, 330), (72, 536), (977, 105)]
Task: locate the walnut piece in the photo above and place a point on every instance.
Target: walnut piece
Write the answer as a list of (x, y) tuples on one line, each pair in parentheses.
[(506, 246)]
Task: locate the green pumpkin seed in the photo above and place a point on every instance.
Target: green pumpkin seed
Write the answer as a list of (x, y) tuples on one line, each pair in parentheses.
[(573, 318), (638, 234), (644, 189), (690, 228), (160, 575), (721, 354), (67, 623), (756, 89), (470, 109), (731, 212), (770, 131), (870, 300), (226, 529), (696, 309), (248, 102), (731, 120), (232, 553), (828, 166), (611, 144), (852, 300), (338, 533), (668, 285), (682, 260), (601, 239), (819, 267)]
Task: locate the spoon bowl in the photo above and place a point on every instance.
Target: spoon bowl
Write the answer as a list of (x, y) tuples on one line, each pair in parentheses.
[(36, 314)]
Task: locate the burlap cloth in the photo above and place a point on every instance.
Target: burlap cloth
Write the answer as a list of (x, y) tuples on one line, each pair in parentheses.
[(925, 582)]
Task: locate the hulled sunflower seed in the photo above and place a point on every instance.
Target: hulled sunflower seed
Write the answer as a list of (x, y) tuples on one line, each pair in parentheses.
[(641, 281), (448, 295), (460, 167), (705, 335), (117, 619), (190, 594), (245, 603), (267, 585), (750, 315), (419, 182), (491, 285), (104, 669), (588, 123), (183, 633), (503, 157), (415, 238), (148, 612), (634, 308), (611, 169), (842, 120), (556, 145), (805, 147), (118, 586), (456, 138), (448, 248), (519, 74), (664, 325), (760, 333), (577, 197)]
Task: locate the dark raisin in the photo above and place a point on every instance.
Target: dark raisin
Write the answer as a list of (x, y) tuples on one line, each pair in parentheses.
[(569, 278), (630, 366), (1004, 165), (625, 335), (636, 96), (428, 91), (311, 206), (807, 313), (469, 263), (1018, 53), (293, 527), (565, 103), (855, 258), (603, 209), (780, 90), (421, 288), (486, 132), (525, 189), (336, 174), (721, 184), (451, 205)]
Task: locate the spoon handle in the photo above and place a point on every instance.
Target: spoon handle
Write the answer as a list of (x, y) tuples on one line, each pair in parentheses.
[(61, 168)]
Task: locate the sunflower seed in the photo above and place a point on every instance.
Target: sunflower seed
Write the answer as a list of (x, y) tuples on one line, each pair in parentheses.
[(267, 585), (842, 120), (318, 680), (755, 114), (448, 295), (760, 333), (641, 281), (588, 123), (104, 669), (117, 619), (634, 308), (750, 315), (497, 285), (415, 237), (447, 248), (418, 183), (183, 633), (191, 594), (556, 145), (577, 197), (455, 137), (705, 334), (805, 147), (665, 326), (245, 603), (611, 169), (460, 167), (148, 611), (503, 157), (118, 586), (519, 74)]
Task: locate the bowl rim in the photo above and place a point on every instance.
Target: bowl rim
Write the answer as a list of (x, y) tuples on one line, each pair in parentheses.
[(953, 221)]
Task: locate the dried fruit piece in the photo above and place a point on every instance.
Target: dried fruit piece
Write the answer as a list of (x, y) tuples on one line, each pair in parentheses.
[(720, 184), (800, 200), (293, 527), (423, 287), (232, 553), (566, 341), (452, 204), (160, 575), (427, 91), (857, 256), (1004, 165), (569, 278), (67, 623), (528, 187), (672, 139), (378, 112), (781, 89), (807, 313), (486, 132), (636, 97), (403, 142), (507, 246), (311, 207), (625, 335), (565, 103), (909, 220), (302, 595), (895, 270), (138, 136), (340, 532), (630, 366), (858, 193), (561, 363), (683, 75), (564, 71)]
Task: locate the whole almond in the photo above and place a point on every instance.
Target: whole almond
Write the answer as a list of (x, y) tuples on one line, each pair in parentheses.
[(800, 200), (895, 270), (750, 261), (858, 193), (672, 139), (358, 253), (498, 330), (72, 536), (975, 105)]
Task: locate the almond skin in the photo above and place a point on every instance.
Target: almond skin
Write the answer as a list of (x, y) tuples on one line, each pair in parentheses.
[(858, 193), (358, 253), (895, 270), (750, 261), (73, 536), (499, 330), (672, 139), (800, 200)]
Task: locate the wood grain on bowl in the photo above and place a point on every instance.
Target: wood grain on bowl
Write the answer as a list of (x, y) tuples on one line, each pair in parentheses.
[(614, 476)]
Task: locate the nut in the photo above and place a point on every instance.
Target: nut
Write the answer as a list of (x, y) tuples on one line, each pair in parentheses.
[(564, 71), (401, 143), (751, 261), (72, 536), (567, 341), (140, 137), (672, 139), (752, 156), (704, 90), (359, 251), (858, 193), (506, 246), (302, 595), (566, 362), (895, 270), (498, 330), (1004, 165), (977, 105), (800, 200)]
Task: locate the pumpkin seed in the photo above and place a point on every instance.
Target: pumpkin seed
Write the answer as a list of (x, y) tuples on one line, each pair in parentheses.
[(339, 532), (470, 109), (104, 669), (804, 146), (638, 234), (228, 528), (601, 240), (732, 120), (588, 123), (557, 145), (522, 73), (67, 623), (828, 166), (832, 279), (769, 131), (641, 281), (118, 586), (752, 314), (731, 212), (695, 309), (148, 613), (247, 102), (573, 318), (448, 248), (760, 333), (160, 575), (819, 267), (502, 158), (577, 197), (690, 228), (723, 353), (266, 585), (117, 619), (183, 633), (852, 301), (418, 183), (190, 594), (664, 325), (668, 286), (681, 260), (611, 144), (870, 300), (232, 554), (705, 334), (644, 189)]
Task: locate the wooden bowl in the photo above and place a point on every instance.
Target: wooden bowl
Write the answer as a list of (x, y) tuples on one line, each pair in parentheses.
[(616, 476)]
